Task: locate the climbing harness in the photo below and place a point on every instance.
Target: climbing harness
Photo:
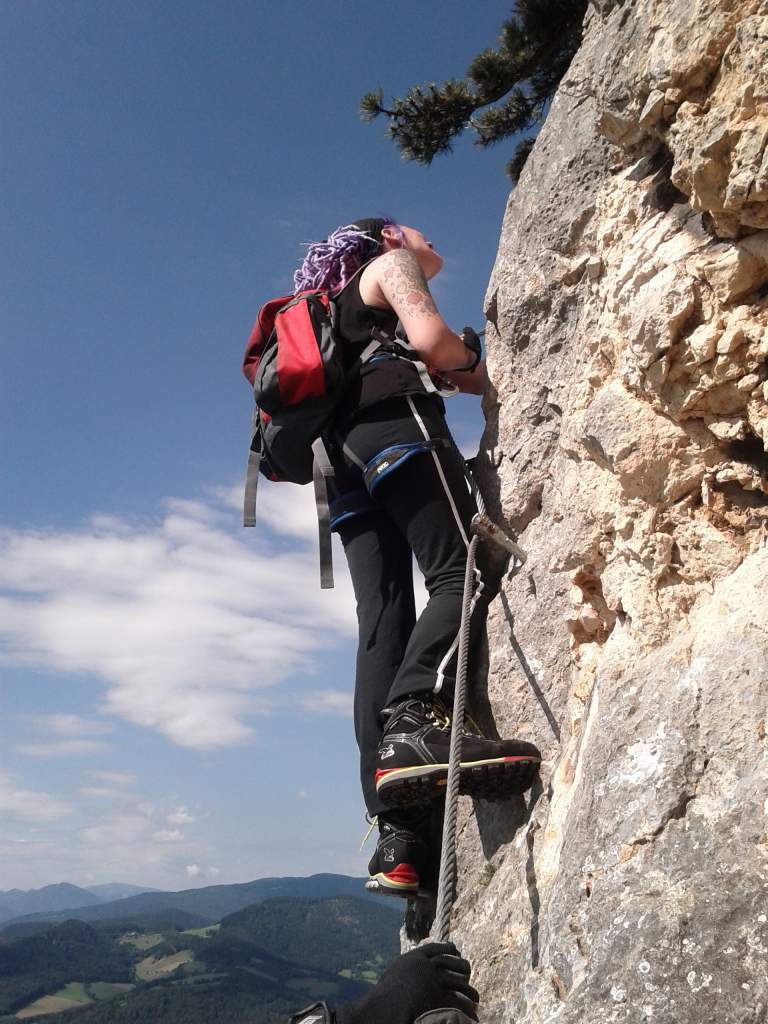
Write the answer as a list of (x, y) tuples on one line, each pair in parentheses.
[(481, 528)]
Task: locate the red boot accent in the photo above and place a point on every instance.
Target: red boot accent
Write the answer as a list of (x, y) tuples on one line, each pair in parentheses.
[(403, 874)]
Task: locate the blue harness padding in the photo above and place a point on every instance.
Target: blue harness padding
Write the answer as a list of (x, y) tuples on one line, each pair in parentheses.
[(387, 461), (353, 503), (360, 501)]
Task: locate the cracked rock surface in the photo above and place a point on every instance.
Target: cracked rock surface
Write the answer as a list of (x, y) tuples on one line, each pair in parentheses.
[(628, 343)]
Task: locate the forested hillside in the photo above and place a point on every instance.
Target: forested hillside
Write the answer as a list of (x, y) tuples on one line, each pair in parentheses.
[(332, 935), (255, 966)]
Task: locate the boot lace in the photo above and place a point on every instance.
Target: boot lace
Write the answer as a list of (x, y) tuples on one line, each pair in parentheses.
[(438, 713), (373, 823)]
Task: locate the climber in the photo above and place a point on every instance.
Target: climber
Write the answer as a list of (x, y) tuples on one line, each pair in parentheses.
[(400, 490), (429, 985)]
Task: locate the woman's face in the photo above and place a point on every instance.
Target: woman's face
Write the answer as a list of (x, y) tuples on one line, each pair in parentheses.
[(430, 261)]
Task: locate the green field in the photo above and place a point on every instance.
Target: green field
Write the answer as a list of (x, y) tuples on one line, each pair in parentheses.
[(369, 971), (195, 978), (140, 941), (203, 933), (150, 969), (73, 996), (100, 990), (70, 997)]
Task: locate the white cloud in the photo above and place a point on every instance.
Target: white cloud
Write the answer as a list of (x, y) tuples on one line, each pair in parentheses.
[(195, 871), (44, 840), (114, 778), (183, 620), (167, 836), (29, 805), (180, 817), (119, 830), (328, 702), (63, 748), (105, 793), (65, 736), (124, 845), (287, 509), (70, 725)]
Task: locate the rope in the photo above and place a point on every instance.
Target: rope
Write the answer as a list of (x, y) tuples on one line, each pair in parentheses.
[(447, 883)]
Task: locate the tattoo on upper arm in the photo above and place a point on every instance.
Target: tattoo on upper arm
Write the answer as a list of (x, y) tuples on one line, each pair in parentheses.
[(403, 279)]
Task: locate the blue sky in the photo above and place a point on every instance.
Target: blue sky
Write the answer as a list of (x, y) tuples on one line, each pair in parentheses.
[(176, 690)]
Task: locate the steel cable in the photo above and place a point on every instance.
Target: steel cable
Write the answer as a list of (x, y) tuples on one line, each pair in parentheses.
[(447, 882)]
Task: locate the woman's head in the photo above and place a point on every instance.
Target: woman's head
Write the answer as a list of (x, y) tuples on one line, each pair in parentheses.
[(331, 263), (400, 236)]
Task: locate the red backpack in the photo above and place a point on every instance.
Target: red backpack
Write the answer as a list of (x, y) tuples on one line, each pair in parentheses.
[(294, 362)]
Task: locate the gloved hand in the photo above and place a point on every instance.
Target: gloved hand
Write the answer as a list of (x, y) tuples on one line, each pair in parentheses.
[(431, 977), (472, 342), (444, 1017)]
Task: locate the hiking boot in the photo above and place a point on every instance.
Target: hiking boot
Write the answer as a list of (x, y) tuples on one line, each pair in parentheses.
[(412, 761), (400, 862)]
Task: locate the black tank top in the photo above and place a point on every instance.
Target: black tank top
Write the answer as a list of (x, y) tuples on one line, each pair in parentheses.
[(383, 376)]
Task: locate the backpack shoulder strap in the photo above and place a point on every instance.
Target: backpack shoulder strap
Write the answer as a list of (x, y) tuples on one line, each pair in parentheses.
[(356, 274)]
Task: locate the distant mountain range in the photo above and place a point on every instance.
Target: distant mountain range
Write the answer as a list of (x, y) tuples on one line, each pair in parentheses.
[(206, 905), (118, 890), (63, 896)]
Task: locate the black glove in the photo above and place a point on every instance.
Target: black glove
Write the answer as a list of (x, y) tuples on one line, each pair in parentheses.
[(317, 1013), (444, 1017), (472, 342), (431, 977)]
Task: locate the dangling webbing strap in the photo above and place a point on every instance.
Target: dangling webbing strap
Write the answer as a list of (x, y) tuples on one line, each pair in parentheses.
[(251, 476), (251, 486), (322, 471)]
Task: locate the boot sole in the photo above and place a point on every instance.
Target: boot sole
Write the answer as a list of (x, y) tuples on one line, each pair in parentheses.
[(384, 886), (495, 779)]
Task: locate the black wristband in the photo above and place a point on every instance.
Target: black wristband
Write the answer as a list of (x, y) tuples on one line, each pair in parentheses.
[(474, 364), (470, 367), (472, 342)]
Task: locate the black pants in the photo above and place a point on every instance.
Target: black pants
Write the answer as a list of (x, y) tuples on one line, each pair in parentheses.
[(423, 507)]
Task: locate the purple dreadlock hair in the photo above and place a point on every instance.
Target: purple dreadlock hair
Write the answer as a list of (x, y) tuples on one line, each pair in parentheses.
[(330, 264)]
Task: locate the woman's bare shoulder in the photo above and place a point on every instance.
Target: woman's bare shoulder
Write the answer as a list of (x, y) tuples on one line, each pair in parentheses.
[(370, 289), (390, 265)]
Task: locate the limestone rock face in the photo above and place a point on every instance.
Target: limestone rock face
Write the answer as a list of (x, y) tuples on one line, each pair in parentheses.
[(628, 344)]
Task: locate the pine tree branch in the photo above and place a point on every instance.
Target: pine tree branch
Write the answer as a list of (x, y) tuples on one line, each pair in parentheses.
[(536, 47)]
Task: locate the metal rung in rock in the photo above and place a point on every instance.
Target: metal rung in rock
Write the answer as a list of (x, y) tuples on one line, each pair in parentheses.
[(488, 530)]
